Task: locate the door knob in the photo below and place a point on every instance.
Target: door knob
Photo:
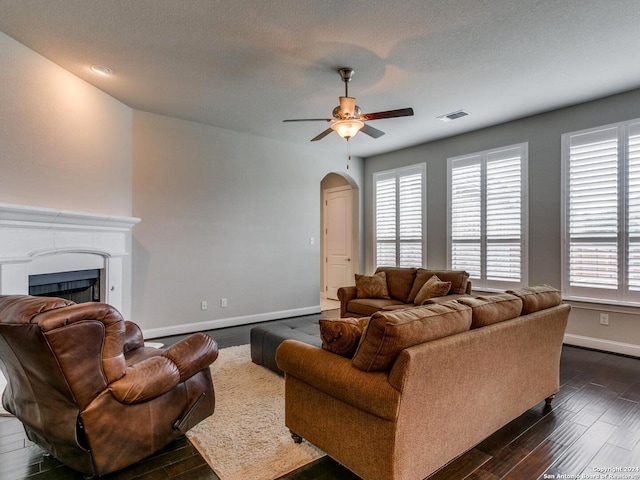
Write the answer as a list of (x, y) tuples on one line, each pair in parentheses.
[(348, 259)]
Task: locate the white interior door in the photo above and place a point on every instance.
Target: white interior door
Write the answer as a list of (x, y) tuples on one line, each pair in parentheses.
[(338, 240)]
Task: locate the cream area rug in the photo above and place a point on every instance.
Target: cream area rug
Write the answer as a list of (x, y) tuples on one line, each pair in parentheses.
[(246, 438)]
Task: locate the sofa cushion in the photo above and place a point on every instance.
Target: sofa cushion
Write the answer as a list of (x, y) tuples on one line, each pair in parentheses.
[(342, 335), (399, 306), (488, 309), (432, 288), (458, 279), (369, 306), (399, 281), (388, 333), (537, 298), (372, 286), (445, 299)]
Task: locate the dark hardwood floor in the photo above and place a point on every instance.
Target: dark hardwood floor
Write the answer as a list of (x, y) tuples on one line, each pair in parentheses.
[(594, 423)]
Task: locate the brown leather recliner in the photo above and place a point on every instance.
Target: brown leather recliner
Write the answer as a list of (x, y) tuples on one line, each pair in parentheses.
[(87, 389)]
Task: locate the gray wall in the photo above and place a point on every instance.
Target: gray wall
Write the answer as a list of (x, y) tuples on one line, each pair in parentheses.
[(64, 144), (224, 215), (543, 133)]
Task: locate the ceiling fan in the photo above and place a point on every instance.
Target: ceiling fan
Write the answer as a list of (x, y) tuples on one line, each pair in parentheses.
[(347, 117)]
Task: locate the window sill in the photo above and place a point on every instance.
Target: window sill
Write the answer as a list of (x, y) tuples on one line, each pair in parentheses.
[(581, 303), (610, 306)]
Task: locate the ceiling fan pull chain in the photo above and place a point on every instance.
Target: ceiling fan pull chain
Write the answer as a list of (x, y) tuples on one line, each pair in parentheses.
[(348, 153)]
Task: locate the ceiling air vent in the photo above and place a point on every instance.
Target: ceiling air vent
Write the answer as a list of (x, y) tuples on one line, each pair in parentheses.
[(453, 116)]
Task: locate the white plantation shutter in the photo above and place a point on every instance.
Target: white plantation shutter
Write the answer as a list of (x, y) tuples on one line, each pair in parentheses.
[(633, 208), (410, 219), (593, 210), (601, 196), (399, 216), (385, 187), (504, 215), (487, 216), (466, 217)]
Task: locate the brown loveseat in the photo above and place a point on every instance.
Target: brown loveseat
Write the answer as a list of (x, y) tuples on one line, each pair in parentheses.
[(425, 384), (89, 392), (403, 285)]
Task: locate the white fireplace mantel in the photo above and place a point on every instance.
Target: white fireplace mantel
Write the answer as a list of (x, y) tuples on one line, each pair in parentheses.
[(37, 240)]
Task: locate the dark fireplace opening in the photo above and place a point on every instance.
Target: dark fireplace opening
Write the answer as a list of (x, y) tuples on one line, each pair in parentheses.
[(79, 286)]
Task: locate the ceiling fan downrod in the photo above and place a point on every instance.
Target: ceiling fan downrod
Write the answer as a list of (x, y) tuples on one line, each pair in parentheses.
[(346, 74)]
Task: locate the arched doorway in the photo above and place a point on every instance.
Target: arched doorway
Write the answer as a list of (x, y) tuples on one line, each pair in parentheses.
[(339, 234)]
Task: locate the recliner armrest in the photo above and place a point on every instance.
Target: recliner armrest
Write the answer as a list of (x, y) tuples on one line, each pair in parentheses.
[(157, 375), (192, 354), (148, 379)]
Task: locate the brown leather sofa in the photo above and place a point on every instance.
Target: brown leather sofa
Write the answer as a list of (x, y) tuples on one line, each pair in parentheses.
[(403, 284), (89, 392)]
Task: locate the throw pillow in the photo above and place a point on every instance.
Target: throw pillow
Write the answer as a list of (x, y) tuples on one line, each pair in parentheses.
[(372, 286), (433, 287), (342, 335), (388, 333), (458, 278)]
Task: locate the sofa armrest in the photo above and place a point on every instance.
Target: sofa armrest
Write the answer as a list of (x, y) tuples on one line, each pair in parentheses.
[(468, 289), (192, 354), (345, 295), (337, 377)]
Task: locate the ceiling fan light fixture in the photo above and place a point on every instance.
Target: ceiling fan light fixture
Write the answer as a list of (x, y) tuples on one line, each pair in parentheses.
[(348, 107), (347, 128)]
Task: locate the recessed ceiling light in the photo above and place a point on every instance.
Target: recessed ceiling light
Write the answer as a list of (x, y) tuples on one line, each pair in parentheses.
[(452, 116), (101, 70)]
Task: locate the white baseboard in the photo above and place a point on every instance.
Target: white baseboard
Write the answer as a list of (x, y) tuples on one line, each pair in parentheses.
[(227, 322), (600, 344)]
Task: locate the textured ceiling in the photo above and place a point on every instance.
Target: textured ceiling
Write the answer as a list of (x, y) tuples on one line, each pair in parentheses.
[(246, 65)]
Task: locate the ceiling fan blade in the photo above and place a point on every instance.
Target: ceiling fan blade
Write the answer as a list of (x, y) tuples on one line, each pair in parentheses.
[(402, 112), (321, 135), (308, 120), (372, 132)]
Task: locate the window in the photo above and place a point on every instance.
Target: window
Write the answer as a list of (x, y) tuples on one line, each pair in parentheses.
[(487, 216), (601, 213), (399, 202)]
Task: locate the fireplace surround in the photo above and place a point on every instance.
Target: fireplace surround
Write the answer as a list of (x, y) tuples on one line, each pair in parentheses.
[(37, 241)]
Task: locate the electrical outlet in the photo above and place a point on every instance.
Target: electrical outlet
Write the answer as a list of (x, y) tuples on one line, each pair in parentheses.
[(203, 305), (223, 302), (604, 319)]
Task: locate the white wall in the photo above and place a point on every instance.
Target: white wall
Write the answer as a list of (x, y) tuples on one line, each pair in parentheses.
[(224, 215), (63, 143), (543, 133)]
